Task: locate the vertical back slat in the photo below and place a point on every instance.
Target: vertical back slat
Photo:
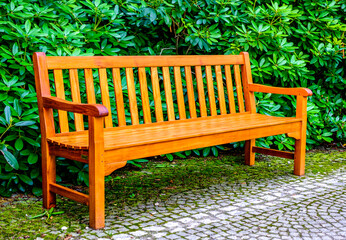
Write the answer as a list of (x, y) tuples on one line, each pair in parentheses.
[(75, 92), (132, 96), (157, 94), (105, 96), (239, 88), (200, 89), (144, 94), (168, 93), (89, 82), (211, 93), (220, 89), (60, 93), (229, 86), (180, 94), (190, 92), (119, 99)]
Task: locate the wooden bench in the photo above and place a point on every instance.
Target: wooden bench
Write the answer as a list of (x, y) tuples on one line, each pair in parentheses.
[(128, 125)]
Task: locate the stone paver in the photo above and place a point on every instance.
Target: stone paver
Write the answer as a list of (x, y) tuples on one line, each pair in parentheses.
[(283, 208)]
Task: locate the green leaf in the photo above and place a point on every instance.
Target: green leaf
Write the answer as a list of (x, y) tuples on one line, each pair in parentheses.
[(24, 123), (7, 111), (26, 179), (33, 158), (19, 144), (206, 151), (215, 151), (27, 26), (11, 160)]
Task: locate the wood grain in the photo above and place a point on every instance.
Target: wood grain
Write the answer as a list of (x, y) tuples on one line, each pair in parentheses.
[(60, 93), (105, 96), (140, 61), (75, 92), (190, 92), (180, 94), (200, 89), (119, 99)]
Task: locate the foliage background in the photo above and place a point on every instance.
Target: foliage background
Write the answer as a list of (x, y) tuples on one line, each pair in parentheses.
[(291, 43)]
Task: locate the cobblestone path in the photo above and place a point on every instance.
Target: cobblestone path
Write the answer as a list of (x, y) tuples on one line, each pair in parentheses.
[(284, 208)]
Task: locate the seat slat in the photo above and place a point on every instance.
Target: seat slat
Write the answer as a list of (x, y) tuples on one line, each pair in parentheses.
[(168, 93), (144, 94), (89, 82), (75, 92), (121, 137), (221, 91), (105, 96), (157, 94), (140, 61), (200, 89), (239, 88), (229, 86), (211, 94), (119, 99), (180, 94), (60, 93), (132, 96), (190, 92)]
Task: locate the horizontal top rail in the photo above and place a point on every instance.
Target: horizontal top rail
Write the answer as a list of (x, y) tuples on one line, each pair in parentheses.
[(141, 61)]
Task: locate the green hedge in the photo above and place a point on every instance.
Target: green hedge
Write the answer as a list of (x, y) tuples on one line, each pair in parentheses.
[(291, 43)]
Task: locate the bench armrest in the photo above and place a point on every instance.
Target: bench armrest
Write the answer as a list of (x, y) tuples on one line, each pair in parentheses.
[(94, 110), (278, 90)]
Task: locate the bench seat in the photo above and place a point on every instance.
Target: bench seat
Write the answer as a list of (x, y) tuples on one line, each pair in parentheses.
[(136, 135)]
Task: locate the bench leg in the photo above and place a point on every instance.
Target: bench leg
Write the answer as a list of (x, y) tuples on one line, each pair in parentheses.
[(48, 176), (300, 144), (96, 174), (249, 154), (299, 156)]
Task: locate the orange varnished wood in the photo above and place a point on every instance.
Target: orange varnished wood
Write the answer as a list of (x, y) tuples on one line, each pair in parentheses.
[(190, 92), (277, 90), (107, 149), (141, 61), (69, 193), (229, 86), (239, 88), (96, 173), (273, 152), (96, 110), (105, 96), (157, 94), (249, 96), (60, 93), (75, 92), (119, 99), (211, 94), (200, 89), (47, 129), (142, 151), (132, 96), (180, 94), (89, 83), (149, 133), (300, 144), (168, 93), (221, 90), (144, 93)]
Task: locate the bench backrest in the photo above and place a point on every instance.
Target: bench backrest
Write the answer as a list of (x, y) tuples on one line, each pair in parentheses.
[(182, 86)]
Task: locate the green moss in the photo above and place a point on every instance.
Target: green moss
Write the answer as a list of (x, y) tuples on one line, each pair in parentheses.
[(156, 181)]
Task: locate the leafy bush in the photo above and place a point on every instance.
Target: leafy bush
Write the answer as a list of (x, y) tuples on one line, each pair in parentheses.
[(291, 43)]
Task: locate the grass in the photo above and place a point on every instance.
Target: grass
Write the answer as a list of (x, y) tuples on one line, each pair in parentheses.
[(155, 181)]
